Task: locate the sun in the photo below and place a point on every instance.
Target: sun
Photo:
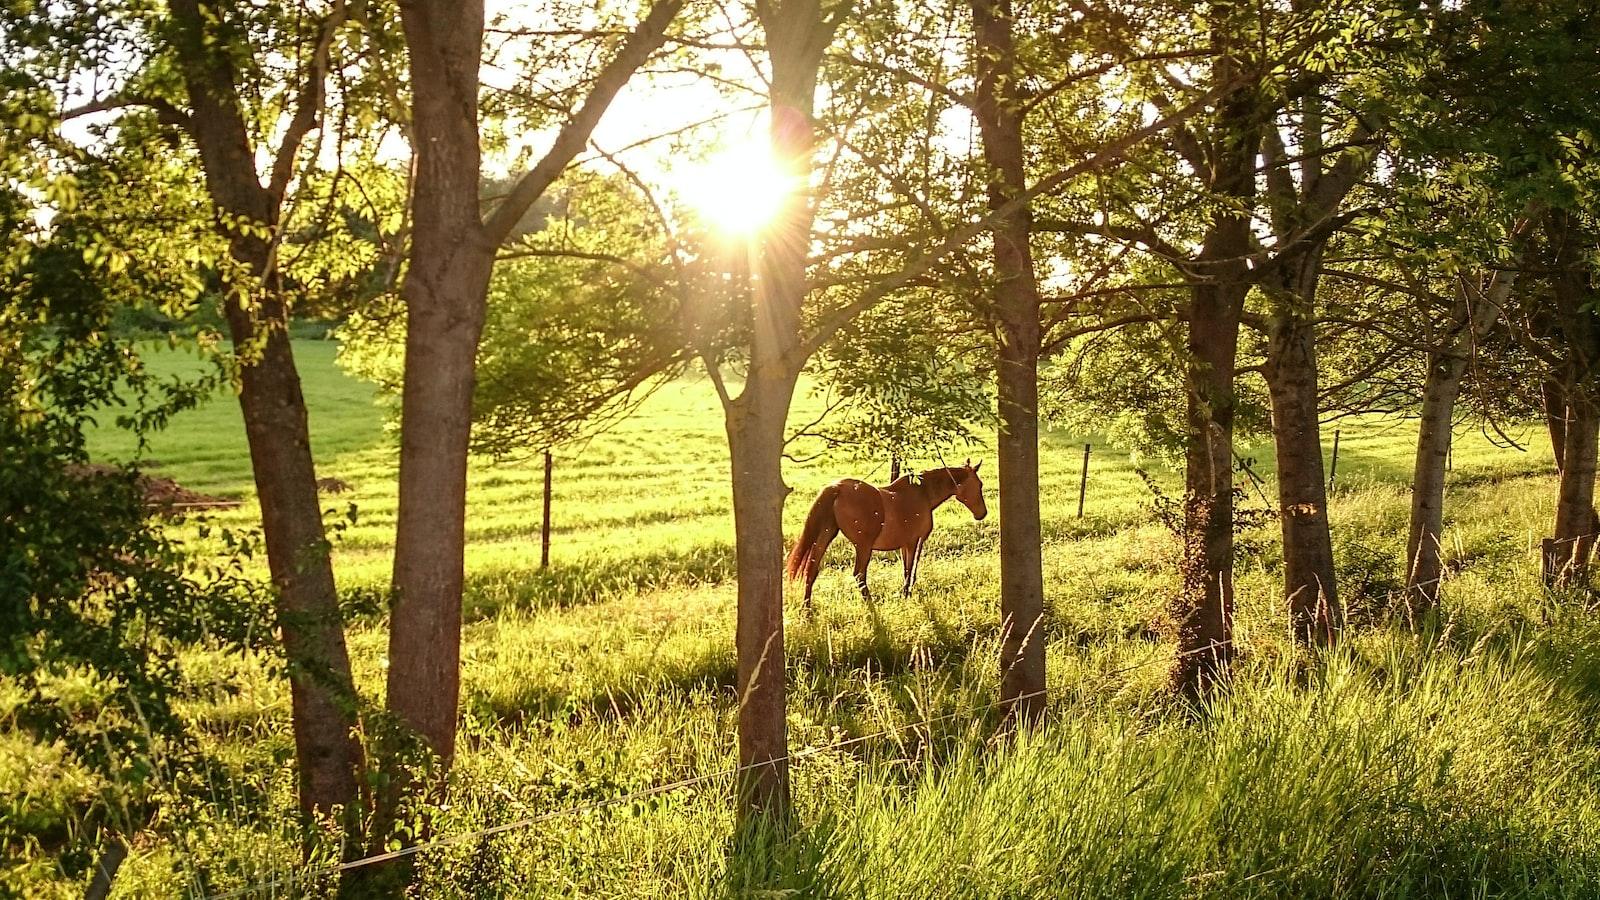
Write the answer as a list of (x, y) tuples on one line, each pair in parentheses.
[(741, 189)]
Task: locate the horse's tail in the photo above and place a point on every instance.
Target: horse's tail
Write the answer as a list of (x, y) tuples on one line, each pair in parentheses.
[(820, 517)]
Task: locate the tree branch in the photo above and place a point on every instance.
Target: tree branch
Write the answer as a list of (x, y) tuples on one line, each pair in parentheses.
[(644, 40)]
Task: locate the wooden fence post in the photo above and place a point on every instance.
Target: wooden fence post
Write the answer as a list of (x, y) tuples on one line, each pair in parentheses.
[(544, 529), (1083, 480)]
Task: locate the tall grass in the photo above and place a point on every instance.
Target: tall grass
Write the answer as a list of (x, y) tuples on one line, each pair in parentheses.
[(1465, 763)]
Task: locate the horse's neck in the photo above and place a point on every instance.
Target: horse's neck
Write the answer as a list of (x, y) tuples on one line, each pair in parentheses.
[(937, 487)]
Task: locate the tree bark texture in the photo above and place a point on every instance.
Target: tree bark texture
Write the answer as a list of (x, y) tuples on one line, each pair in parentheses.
[(1220, 280), (1573, 544), (1576, 335), (1016, 308), (798, 34), (1205, 635), (755, 424), (1476, 311), (1424, 554), (322, 690), (1291, 373), (445, 291), (1554, 398)]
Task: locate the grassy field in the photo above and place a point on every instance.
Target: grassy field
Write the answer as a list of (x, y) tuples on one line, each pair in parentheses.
[(1468, 765)]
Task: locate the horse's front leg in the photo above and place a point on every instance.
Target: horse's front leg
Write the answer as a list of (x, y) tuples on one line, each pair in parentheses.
[(863, 557), (908, 556)]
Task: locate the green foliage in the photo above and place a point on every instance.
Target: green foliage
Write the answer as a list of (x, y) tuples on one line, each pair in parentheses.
[(583, 317), (905, 380), (97, 600)]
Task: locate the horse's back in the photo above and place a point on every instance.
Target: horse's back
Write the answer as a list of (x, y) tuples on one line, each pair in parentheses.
[(859, 510)]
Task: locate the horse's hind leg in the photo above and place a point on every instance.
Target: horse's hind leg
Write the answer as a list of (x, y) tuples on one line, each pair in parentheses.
[(814, 560), (863, 557), (908, 556)]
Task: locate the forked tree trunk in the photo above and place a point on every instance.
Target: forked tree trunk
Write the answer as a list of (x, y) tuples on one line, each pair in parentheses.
[(1291, 374), (321, 688), (451, 258), (755, 424), (1015, 302), (1424, 554)]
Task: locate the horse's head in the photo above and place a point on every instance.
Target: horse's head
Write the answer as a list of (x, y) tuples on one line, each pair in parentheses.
[(969, 490)]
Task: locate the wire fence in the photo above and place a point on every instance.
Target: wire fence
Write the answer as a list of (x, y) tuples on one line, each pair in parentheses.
[(669, 787)]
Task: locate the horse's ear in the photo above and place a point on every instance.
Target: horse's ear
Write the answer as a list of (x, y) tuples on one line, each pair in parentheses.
[(975, 468), (969, 462)]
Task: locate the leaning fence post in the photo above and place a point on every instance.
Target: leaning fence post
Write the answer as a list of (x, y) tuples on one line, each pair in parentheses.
[(544, 529), (1333, 467), (1083, 480)]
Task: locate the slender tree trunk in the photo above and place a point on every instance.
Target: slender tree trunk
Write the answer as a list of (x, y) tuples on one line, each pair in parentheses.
[(443, 322), (1424, 554), (1022, 661), (445, 294), (1574, 540), (1015, 302), (755, 423), (1291, 372), (797, 34), (1205, 636), (1578, 330), (1476, 311), (322, 690), (1554, 397), (1205, 608)]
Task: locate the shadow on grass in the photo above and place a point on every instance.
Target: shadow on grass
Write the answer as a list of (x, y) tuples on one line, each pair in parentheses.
[(590, 579)]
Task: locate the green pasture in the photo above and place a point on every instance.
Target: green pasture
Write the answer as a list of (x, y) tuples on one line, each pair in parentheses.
[(1464, 765)]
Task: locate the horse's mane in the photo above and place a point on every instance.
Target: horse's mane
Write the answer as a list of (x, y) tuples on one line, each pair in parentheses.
[(957, 473)]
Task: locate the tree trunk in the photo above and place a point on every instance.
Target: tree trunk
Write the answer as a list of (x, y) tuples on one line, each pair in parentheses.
[(1574, 540), (797, 36), (1291, 373), (1424, 555), (1475, 313), (445, 293), (1205, 636), (1220, 282), (755, 424), (443, 321), (1555, 416), (1015, 304), (1578, 332), (322, 690)]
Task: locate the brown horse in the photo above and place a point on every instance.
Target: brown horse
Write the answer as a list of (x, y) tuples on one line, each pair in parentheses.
[(898, 516)]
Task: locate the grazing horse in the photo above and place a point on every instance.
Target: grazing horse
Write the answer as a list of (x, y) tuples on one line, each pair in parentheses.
[(898, 516)]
